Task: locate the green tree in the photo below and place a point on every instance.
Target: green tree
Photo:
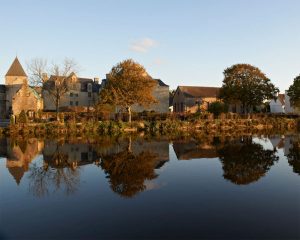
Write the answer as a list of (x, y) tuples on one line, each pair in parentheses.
[(22, 117), (294, 155), (294, 92), (217, 108), (247, 85), (128, 83)]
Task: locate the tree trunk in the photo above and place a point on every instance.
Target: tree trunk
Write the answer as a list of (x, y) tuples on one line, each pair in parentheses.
[(129, 149), (57, 109), (129, 114)]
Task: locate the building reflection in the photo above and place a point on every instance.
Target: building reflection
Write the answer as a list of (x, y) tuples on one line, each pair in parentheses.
[(19, 153), (191, 149), (131, 163)]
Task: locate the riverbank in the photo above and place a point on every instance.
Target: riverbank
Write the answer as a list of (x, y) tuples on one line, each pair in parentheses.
[(169, 126)]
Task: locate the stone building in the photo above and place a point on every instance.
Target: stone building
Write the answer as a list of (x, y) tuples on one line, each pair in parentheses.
[(190, 99), (27, 99), (16, 95), (82, 93)]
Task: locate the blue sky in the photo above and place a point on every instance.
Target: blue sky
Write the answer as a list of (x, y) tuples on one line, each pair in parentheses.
[(186, 42)]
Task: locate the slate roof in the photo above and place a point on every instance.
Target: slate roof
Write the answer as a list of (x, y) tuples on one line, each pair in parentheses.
[(192, 91), (16, 69), (2, 88)]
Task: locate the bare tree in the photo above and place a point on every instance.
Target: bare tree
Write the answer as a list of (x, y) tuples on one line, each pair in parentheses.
[(37, 68), (55, 86)]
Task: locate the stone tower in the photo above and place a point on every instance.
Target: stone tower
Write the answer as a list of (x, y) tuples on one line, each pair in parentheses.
[(14, 79), (15, 74)]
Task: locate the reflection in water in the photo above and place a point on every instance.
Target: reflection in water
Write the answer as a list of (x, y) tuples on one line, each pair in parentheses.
[(294, 155), (128, 171), (131, 165), (245, 162), (19, 154), (43, 178)]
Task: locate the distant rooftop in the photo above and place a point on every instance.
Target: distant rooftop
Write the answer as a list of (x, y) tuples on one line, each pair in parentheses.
[(195, 91)]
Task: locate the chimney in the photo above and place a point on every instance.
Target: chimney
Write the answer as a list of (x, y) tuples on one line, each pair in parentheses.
[(44, 77), (96, 80)]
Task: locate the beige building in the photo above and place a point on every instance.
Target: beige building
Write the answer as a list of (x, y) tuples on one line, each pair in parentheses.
[(190, 99), (82, 92), (160, 93)]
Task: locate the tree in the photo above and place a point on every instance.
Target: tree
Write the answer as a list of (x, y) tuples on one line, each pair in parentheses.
[(294, 155), (37, 69), (217, 108), (246, 162), (127, 172), (57, 85), (127, 84), (247, 85), (294, 92), (22, 117)]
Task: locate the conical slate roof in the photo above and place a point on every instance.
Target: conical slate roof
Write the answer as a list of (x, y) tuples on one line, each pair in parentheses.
[(16, 69)]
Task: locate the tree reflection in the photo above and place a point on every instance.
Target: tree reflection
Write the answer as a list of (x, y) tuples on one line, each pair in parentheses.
[(246, 162), (53, 175), (128, 171), (294, 156)]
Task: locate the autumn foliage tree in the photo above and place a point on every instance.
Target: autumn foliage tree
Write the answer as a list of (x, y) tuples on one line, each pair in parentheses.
[(127, 84), (247, 85), (294, 92)]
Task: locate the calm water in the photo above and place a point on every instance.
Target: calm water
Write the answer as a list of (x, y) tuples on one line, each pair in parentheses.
[(216, 188)]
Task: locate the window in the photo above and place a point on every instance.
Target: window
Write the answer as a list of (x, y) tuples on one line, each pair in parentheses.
[(71, 94), (76, 103), (30, 114), (71, 103), (89, 94)]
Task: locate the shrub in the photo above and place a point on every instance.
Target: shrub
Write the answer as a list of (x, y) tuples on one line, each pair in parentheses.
[(22, 117), (217, 108)]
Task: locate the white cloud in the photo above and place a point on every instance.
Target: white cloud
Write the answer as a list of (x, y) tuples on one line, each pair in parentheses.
[(159, 61), (143, 45)]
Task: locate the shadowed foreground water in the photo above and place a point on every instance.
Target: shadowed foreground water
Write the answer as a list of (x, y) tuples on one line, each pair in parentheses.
[(135, 187)]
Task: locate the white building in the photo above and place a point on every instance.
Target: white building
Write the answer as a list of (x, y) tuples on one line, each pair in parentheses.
[(278, 105), (288, 106)]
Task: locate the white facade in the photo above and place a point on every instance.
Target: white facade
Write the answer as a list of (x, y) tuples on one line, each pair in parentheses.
[(276, 106), (288, 106)]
